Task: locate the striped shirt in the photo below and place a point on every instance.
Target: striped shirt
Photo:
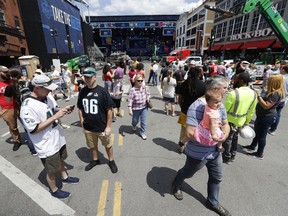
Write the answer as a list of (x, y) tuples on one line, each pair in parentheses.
[(137, 98)]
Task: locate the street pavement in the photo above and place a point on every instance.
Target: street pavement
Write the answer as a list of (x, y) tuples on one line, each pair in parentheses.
[(142, 186)]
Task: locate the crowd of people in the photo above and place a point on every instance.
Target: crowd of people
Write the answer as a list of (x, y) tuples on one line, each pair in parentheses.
[(210, 117)]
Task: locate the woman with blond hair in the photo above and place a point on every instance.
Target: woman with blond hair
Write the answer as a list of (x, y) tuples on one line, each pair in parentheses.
[(266, 114), (138, 95), (168, 91)]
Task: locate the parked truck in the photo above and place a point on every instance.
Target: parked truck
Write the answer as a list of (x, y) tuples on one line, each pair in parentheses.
[(175, 54)]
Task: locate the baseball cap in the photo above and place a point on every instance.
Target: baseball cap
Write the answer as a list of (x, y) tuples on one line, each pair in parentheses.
[(245, 77), (89, 72), (44, 81), (245, 62), (192, 62), (3, 68), (65, 65)]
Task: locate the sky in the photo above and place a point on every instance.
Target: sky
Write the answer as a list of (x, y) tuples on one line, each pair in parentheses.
[(138, 7)]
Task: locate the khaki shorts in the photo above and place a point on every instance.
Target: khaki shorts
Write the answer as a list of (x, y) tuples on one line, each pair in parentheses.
[(182, 119), (53, 162), (92, 139)]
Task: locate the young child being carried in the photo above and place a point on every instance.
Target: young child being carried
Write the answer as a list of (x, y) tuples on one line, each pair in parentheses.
[(209, 132), (116, 95)]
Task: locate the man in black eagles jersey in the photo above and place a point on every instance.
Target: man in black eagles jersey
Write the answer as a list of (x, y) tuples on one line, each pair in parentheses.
[(95, 112)]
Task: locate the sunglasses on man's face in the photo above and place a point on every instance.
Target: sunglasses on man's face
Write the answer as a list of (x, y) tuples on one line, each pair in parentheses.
[(139, 80)]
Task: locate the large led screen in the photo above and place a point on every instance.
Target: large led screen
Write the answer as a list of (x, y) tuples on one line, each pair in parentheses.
[(56, 15)]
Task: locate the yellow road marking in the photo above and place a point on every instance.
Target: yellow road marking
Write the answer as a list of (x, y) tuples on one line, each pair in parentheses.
[(120, 140), (112, 138), (103, 198), (122, 112), (117, 199)]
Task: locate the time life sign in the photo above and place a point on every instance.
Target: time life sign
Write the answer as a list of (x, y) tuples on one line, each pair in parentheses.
[(255, 34)]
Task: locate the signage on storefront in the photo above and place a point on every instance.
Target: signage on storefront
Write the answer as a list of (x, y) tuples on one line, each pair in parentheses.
[(255, 34)]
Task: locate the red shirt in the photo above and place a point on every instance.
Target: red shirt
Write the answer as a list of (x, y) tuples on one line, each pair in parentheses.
[(3, 103)]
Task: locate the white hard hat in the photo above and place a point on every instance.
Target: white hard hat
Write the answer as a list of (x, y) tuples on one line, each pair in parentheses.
[(246, 132)]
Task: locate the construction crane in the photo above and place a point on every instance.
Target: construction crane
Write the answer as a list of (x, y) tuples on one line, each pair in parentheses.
[(267, 10)]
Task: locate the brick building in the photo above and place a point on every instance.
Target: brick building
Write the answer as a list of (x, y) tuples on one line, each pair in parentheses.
[(12, 38)]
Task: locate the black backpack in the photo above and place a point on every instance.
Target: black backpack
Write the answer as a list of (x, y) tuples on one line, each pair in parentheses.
[(24, 91)]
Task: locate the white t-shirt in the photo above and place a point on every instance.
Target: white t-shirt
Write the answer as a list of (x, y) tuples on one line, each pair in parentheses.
[(66, 76), (50, 140), (169, 88), (57, 79)]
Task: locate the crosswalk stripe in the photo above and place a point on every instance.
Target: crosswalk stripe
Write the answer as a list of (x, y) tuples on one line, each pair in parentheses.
[(117, 199), (122, 112), (120, 140), (103, 198), (37, 193), (112, 138)]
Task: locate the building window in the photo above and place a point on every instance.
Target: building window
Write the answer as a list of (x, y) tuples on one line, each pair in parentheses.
[(255, 20), (192, 41), (188, 33), (189, 21), (231, 24), (245, 23), (225, 6), (177, 32), (184, 29), (281, 7), (2, 16), (187, 43), (179, 42), (193, 31), (201, 13), (220, 30), (17, 22), (183, 42), (180, 31)]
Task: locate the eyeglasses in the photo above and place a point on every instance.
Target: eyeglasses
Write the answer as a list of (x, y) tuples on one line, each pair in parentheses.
[(139, 80)]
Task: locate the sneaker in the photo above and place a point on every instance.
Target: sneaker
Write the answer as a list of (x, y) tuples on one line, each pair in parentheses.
[(34, 153), (113, 119), (16, 146), (256, 155), (232, 158), (272, 133), (177, 192), (71, 180), (134, 128), (180, 148), (64, 126), (220, 210), (92, 164), (227, 161), (68, 99), (113, 166), (248, 148), (61, 194), (143, 135), (119, 115), (173, 114)]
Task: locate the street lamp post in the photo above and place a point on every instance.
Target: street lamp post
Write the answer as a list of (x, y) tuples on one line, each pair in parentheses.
[(54, 33)]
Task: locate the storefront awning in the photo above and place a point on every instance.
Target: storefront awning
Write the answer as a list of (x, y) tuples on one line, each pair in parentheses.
[(261, 44), (216, 47), (231, 46), (277, 45)]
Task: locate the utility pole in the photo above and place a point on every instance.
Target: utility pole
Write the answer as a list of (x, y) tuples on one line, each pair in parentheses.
[(54, 33)]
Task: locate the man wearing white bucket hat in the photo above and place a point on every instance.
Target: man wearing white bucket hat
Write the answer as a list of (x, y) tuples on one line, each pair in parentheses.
[(38, 118)]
